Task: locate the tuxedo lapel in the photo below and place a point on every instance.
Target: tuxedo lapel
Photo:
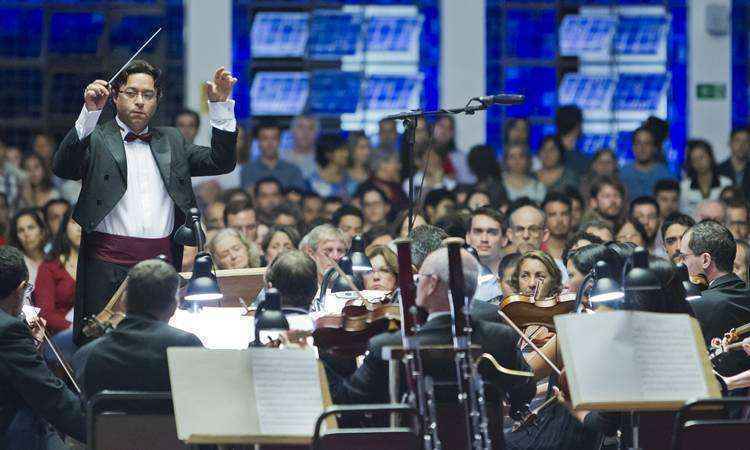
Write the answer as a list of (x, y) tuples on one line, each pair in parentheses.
[(116, 148), (162, 152)]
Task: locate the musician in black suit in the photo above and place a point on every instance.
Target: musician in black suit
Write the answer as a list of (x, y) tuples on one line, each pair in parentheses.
[(369, 383), (27, 387), (708, 249), (136, 179), (133, 357)]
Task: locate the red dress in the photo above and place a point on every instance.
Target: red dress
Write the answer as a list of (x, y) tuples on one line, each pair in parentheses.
[(54, 293)]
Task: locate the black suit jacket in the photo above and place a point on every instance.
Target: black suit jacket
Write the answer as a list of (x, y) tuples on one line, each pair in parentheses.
[(369, 383), (724, 305), (132, 357), (99, 161), (26, 381)]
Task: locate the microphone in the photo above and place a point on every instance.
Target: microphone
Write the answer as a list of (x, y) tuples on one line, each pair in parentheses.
[(501, 99)]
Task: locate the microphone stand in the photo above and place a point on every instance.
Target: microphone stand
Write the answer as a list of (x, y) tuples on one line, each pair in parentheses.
[(409, 120)]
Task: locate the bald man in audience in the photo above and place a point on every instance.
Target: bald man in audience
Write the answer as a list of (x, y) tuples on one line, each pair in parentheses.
[(527, 229)]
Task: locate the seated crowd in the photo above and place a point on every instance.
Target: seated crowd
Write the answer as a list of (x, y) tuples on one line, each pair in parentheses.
[(535, 222)]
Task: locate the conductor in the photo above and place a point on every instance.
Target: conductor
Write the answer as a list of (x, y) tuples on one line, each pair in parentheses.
[(136, 186)]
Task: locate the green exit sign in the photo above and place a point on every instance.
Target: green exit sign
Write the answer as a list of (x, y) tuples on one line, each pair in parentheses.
[(712, 91)]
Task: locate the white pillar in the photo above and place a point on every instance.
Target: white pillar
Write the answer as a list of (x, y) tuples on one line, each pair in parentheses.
[(709, 65), (462, 65), (208, 45)]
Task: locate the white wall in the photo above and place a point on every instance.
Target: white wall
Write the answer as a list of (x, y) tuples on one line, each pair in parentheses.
[(709, 61), (208, 45), (462, 64)]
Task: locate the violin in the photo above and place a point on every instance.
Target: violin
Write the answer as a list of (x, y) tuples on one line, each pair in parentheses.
[(525, 310), (721, 350), (112, 314), (348, 333), (38, 330)]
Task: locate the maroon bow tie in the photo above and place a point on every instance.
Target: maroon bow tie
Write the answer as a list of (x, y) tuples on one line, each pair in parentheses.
[(145, 137)]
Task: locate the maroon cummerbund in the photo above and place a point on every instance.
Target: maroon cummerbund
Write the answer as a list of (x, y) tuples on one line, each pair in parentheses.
[(125, 250)]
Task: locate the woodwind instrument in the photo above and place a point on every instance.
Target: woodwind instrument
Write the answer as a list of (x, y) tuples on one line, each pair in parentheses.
[(470, 383), (420, 386)]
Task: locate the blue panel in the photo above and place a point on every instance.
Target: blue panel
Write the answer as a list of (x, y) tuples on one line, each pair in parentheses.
[(25, 81), (531, 34), (587, 91), (538, 84), (581, 34), (637, 92), (75, 33), (276, 35), (740, 54), (175, 21), (391, 34), (334, 92), (389, 92), (639, 35), (677, 100), (591, 143), (66, 92), (333, 34), (21, 32), (429, 54), (279, 93), (132, 31)]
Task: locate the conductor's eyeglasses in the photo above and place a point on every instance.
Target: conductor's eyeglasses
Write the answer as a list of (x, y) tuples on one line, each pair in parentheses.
[(132, 94)]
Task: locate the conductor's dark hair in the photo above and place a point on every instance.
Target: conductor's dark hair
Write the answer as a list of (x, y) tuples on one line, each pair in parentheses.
[(152, 287), (13, 270), (709, 236), (138, 66)]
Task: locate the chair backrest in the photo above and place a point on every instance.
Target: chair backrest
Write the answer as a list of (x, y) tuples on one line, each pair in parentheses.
[(706, 423), (120, 420), (394, 438)]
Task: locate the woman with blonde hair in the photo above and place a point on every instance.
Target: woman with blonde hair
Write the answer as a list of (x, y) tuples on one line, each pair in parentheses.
[(231, 251), (384, 274), (537, 268)]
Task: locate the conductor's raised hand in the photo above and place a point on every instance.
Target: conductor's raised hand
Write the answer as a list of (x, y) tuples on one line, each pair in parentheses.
[(95, 95), (220, 88)]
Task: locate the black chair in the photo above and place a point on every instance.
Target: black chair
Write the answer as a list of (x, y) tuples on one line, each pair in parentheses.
[(705, 424), (394, 438), (126, 420)]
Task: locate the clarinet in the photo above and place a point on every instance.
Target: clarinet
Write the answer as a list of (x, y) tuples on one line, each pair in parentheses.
[(470, 383), (420, 386)]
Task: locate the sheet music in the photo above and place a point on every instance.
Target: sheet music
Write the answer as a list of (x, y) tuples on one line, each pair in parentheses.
[(633, 357), (288, 404)]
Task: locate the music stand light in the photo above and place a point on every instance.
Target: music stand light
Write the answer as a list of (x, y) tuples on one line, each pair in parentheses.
[(269, 316)]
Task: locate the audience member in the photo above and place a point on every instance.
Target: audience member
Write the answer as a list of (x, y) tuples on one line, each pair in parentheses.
[(241, 217), (188, 122), (553, 174), (214, 216), (739, 151), (268, 164), (438, 203), (516, 131), (672, 229), (293, 274), (742, 260), (312, 208), (569, 124), (29, 234), (331, 204), (640, 176), (703, 181), (444, 138), (348, 219), (556, 208), (599, 228), (375, 207), (607, 196), (231, 250), (385, 175), (401, 224), (331, 177), (487, 236), (11, 177), (516, 179), (133, 357), (286, 214), (506, 270), (632, 231), (485, 167), (667, 195), (278, 240), (378, 235), (55, 283), (477, 199), (711, 209), (53, 212), (305, 129), (37, 188), (737, 219), (576, 206), (360, 152), (527, 229), (388, 138), (645, 210), (266, 197)]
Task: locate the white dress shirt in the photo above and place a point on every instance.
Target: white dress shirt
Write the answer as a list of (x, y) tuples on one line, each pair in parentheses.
[(146, 210)]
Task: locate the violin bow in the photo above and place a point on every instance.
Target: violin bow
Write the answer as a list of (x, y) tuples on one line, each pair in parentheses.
[(135, 55), (68, 371), (529, 342)]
